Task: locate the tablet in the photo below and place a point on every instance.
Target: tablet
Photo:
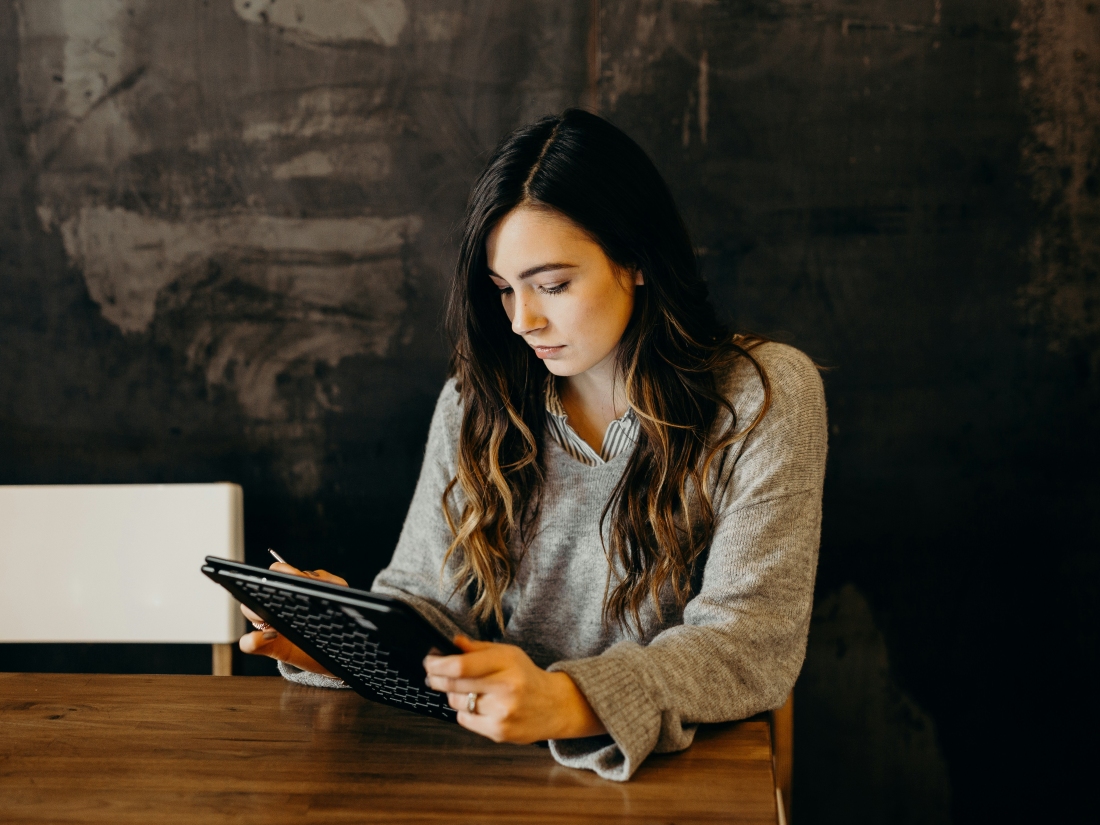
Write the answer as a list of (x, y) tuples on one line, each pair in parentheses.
[(375, 643)]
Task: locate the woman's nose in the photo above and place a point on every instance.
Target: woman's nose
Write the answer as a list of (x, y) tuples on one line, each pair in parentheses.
[(526, 317)]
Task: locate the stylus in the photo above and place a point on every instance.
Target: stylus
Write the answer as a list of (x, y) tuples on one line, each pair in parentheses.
[(309, 573)]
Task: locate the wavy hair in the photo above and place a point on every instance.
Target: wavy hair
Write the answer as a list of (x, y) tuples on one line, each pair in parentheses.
[(660, 519)]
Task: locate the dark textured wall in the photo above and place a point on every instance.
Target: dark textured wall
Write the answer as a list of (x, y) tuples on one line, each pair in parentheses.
[(225, 232)]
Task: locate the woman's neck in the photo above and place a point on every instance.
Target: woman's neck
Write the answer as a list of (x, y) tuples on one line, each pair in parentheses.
[(592, 400)]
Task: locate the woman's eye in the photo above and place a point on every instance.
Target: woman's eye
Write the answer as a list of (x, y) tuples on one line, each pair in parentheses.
[(554, 290), (505, 290)]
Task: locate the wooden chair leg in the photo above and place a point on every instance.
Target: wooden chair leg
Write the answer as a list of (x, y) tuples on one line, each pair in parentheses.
[(223, 660), (783, 748)]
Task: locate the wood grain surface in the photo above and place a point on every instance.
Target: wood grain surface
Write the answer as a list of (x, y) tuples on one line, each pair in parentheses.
[(186, 749)]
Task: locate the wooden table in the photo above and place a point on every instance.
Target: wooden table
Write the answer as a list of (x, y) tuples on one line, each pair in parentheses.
[(187, 749)]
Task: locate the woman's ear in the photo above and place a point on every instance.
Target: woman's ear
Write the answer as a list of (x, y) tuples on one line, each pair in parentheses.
[(639, 278)]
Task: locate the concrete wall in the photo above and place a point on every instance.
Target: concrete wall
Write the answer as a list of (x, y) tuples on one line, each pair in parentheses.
[(227, 227)]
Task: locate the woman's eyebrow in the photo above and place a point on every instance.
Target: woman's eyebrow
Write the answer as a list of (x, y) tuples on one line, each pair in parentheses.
[(535, 270)]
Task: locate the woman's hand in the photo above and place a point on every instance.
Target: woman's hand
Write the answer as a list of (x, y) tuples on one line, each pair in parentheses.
[(266, 640), (517, 700)]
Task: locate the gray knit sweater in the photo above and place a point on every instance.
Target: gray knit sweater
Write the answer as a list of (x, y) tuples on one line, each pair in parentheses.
[(733, 651)]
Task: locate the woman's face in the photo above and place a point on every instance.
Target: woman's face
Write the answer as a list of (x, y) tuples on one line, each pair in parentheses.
[(563, 295)]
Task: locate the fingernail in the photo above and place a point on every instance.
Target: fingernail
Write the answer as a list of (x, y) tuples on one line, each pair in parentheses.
[(270, 634)]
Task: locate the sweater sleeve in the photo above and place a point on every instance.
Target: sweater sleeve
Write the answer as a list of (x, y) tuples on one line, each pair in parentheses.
[(413, 575), (743, 637)]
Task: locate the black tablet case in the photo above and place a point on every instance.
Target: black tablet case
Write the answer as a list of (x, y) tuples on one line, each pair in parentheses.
[(373, 642)]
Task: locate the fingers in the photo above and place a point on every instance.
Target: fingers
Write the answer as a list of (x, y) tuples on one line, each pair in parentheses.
[(484, 720), (493, 671), (320, 575), (275, 646), (281, 567), (325, 576), (487, 726), (484, 706), (252, 615), (464, 666), (487, 660), (487, 704), (461, 686), (489, 721), (255, 642), (515, 702), (468, 645)]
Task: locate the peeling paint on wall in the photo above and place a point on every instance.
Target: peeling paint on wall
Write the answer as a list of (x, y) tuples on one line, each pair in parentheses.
[(330, 21), (168, 222), (439, 25), (254, 299), (75, 62), (317, 113), (91, 35), (366, 161), (648, 31), (1059, 57), (127, 258)]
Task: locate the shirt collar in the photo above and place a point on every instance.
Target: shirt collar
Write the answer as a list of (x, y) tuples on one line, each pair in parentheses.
[(557, 409)]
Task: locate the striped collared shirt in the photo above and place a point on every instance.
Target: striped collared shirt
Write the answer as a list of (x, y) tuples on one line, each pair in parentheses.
[(621, 435)]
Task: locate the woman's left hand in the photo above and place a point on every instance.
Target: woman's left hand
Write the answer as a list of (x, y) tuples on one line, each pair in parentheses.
[(517, 701)]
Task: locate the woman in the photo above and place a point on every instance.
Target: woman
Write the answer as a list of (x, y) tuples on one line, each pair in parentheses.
[(620, 498)]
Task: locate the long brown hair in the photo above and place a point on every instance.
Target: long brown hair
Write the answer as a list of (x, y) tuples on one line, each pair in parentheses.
[(660, 519)]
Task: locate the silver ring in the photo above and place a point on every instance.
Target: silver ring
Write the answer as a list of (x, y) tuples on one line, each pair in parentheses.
[(471, 702)]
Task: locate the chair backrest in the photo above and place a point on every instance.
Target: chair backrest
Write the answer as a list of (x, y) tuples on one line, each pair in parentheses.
[(117, 562)]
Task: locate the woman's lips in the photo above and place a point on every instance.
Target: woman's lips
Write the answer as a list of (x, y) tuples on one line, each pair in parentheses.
[(548, 352)]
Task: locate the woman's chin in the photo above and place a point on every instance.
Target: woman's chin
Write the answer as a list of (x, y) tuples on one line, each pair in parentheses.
[(559, 368)]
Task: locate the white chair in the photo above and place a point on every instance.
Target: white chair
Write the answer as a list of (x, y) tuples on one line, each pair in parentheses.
[(119, 563)]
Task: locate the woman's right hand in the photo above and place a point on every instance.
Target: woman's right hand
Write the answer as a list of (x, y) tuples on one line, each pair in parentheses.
[(267, 641)]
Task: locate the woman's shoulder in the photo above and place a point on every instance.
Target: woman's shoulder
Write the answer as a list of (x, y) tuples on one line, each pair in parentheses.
[(450, 398), (794, 383), (448, 406), (446, 420)]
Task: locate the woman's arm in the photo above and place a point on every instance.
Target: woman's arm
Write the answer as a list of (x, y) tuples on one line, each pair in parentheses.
[(743, 637)]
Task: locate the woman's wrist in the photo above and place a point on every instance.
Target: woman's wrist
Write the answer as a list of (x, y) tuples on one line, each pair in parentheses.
[(577, 718)]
